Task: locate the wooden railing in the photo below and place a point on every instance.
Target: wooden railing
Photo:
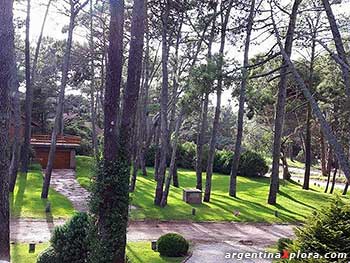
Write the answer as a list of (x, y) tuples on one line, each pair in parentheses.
[(66, 139)]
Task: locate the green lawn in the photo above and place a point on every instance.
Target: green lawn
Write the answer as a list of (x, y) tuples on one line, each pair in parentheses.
[(138, 252), (26, 200), (294, 204)]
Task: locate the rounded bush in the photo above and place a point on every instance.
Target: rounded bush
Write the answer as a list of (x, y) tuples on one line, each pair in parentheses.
[(252, 165), (48, 256), (172, 245), (283, 243), (71, 241)]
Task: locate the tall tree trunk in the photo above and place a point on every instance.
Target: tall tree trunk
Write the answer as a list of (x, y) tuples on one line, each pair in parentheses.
[(308, 160), (172, 168), (242, 96), (6, 67), (334, 177), (29, 97), (200, 140), (323, 155), (339, 45), (16, 119), (92, 87), (329, 167), (280, 107), (157, 152), (332, 140), (163, 107), (345, 191), (286, 173), (59, 108), (212, 145)]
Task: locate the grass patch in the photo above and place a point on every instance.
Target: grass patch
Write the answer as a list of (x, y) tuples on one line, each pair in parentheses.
[(141, 252), (294, 203), (26, 200), (138, 252), (85, 168)]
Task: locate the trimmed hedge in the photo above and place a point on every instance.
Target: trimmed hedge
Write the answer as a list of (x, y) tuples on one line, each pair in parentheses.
[(48, 256), (251, 164), (172, 245)]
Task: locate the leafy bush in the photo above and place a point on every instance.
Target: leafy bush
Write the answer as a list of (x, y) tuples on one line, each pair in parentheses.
[(283, 243), (252, 164), (223, 162), (172, 245), (71, 241), (326, 231), (48, 256)]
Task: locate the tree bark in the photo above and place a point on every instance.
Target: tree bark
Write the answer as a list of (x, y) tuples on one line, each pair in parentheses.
[(16, 119), (212, 145), (306, 183), (280, 107), (332, 140), (92, 87), (29, 97), (6, 67), (334, 178), (163, 107), (329, 167), (59, 108), (242, 97), (339, 45), (172, 168), (286, 173), (200, 140)]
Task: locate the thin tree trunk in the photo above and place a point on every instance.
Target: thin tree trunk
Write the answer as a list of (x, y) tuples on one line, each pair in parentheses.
[(323, 154), (200, 140), (306, 184), (212, 145), (92, 87), (346, 188), (29, 97), (280, 107), (332, 140), (175, 177), (157, 153), (59, 109), (172, 168), (339, 45), (164, 108), (286, 173), (16, 117), (6, 67), (329, 167), (242, 96), (334, 178)]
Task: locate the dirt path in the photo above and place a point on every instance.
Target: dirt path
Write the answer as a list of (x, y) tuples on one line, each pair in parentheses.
[(64, 182), (33, 230)]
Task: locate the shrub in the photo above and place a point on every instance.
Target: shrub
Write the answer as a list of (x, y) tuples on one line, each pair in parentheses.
[(326, 231), (172, 245), (283, 243), (48, 256), (252, 164), (71, 241), (223, 162)]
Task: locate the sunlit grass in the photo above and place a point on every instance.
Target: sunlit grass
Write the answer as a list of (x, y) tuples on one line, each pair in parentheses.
[(26, 200), (138, 252), (294, 204)]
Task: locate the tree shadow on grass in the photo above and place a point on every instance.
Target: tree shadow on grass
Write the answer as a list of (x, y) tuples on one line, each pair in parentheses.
[(295, 200), (18, 196)]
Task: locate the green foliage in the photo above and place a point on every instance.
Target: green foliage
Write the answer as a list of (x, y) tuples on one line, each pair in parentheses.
[(326, 231), (283, 243), (48, 256), (71, 241), (109, 203), (252, 164), (172, 245)]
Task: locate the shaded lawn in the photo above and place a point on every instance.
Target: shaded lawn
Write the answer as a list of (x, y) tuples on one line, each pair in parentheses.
[(138, 252), (294, 204), (26, 200)]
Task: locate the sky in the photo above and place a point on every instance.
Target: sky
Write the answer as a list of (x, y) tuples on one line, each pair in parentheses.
[(56, 21)]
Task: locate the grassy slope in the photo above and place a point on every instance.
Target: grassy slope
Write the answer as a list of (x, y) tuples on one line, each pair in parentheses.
[(294, 204), (138, 252), (26, 200)]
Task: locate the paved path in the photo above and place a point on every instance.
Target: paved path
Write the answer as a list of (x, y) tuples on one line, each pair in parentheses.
[(210, 241), (64, 182)]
